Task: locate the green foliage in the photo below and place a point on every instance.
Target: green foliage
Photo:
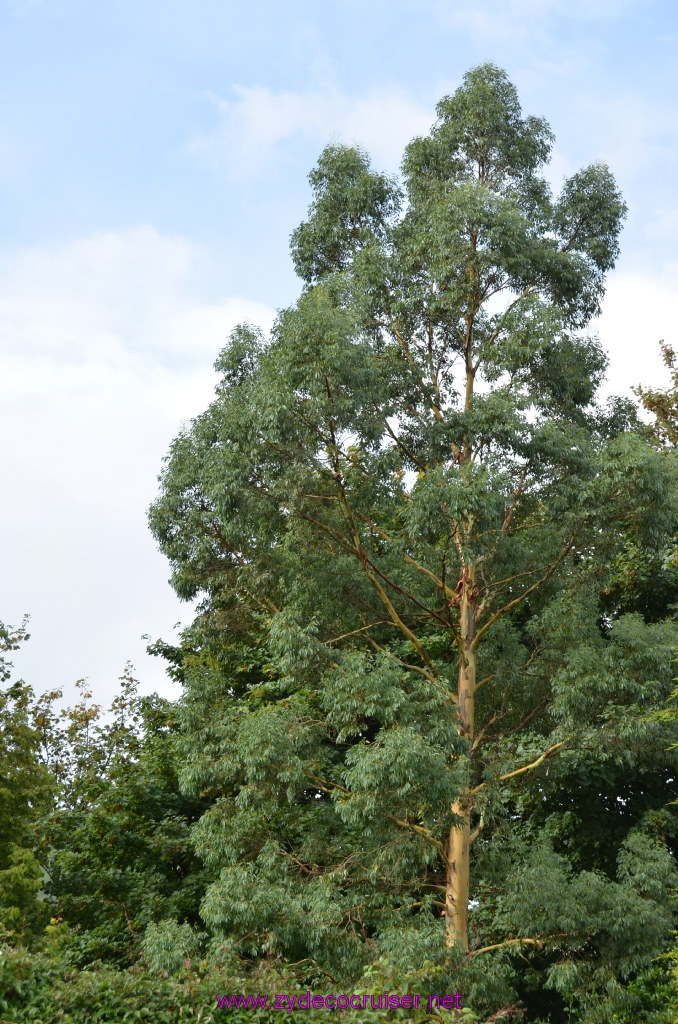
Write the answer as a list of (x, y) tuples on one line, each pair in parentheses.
[(35, 990), (351, 209), (663, 404), (25, 790), (170, 946), (119, 853), (420, 434)]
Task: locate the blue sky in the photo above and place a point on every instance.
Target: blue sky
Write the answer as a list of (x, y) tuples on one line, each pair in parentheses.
[(153, 162)]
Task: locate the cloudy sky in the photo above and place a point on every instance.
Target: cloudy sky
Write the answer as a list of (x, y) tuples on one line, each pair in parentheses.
[(153, 162)]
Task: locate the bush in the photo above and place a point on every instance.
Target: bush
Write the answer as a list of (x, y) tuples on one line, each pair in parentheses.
[(37, 989)]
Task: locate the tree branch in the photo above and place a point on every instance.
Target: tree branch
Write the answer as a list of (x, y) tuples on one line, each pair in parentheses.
[(410, 358), (510, 732), (512, 604), (404, 447), (511, 305), (408, 558), (526, 768), (404, 664), (509, 942), (362, 629), (514, 500), (420, 830)]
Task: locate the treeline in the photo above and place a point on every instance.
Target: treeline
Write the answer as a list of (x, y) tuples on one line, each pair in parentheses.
[(428, 735)]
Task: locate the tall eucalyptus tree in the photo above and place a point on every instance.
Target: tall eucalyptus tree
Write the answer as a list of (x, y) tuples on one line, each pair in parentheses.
[(408, 492)]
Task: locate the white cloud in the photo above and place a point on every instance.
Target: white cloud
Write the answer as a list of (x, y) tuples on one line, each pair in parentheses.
[(257, 120), (661, 225), (107, 345), (522, 19), (631, 133), (638, 312), (111, 296)]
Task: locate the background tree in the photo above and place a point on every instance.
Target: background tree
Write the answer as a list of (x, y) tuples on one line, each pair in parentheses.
[(117, 838), (26, 787), (663, 404), (662, 577), (405, 515)]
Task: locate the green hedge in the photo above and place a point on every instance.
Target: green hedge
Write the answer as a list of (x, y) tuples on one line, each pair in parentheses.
[(37, 989)]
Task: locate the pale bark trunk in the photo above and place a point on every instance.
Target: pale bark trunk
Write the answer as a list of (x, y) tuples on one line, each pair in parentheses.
[(459, 842)]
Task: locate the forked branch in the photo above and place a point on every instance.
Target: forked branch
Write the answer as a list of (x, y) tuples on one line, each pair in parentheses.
[(526, 593)]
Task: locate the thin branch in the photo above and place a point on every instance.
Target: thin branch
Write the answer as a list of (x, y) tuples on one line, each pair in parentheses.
[(129, 922), (368, 567), (266, 603), (370, 571), (408, 558), (509, 942), (511, 306), (404, 447), (514, 500), (510, 732), (482, 732), (408, 595), (340, 538), (404, 664), (502, 583), (479, 828), (327, 787), (420, 830), (404, 629), (485, 679), (521, 597), (243, 937), (526, 768), (529, 526), (309, 871), (410, 358), (310, 960), (381, 622)]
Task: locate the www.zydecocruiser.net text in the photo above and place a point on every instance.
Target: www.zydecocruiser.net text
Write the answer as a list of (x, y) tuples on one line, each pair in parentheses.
[(307, 1001)]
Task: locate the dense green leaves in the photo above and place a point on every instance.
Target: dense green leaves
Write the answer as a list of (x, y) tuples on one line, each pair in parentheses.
[(351, 208), (25, 791), (117, 839)]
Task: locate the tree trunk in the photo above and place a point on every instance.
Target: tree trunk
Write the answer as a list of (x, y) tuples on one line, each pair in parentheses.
[(459, 842)]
